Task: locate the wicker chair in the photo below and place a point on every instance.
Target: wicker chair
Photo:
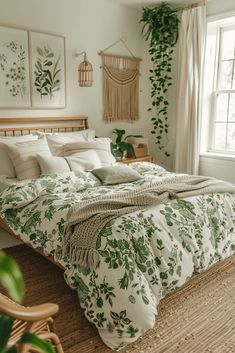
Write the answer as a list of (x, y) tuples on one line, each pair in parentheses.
[(36, 319)]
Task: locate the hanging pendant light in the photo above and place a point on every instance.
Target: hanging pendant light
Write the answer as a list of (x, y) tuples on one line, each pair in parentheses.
[(85, 72)]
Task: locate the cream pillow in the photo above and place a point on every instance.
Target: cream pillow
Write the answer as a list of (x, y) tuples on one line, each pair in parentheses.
[(84, 161), (51, 164), (88, 134), (69, 147), (23, 157), (55, 142), (101, 146), (6, 166)]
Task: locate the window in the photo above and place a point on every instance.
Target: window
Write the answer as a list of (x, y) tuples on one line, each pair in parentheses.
[(219, 88)]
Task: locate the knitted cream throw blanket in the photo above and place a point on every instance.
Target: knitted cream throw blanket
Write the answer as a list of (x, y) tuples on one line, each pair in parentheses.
[(86, 219)]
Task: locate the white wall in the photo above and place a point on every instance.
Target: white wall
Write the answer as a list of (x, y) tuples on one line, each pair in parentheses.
[(215, 7), (218, 167), (87, 25), (222, 168)]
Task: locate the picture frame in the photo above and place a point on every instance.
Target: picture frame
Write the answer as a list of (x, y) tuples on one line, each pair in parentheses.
[(14, 68), (47, 70)]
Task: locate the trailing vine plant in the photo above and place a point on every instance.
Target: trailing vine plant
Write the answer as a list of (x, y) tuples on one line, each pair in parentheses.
[(160, 28)]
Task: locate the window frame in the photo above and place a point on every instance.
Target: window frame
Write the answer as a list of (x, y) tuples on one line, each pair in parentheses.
[(210, 86), (221, 28)]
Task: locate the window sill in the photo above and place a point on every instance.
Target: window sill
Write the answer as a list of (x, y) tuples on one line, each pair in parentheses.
[(213, 155)]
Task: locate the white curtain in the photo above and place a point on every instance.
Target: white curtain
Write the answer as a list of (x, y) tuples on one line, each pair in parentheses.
[(192, 36)]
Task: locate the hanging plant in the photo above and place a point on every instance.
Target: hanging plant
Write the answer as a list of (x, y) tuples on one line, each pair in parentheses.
[(161, 30)]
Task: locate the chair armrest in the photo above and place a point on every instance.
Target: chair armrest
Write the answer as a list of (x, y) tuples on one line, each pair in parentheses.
[(34, 313)]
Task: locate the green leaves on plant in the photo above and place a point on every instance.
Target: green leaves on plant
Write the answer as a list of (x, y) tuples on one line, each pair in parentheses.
[(6, 324), (11, 277), (12, 281), (120, 146), (160, 28)]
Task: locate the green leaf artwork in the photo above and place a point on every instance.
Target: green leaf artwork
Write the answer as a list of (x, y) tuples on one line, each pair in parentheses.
[(15, 79), (47, 72)]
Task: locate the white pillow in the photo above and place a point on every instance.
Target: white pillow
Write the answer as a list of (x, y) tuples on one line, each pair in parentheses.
[(87, 134), (84, 161), (101, 146), (96, 144), (51, 164), (23, 157), (55, 141), (6, 166)]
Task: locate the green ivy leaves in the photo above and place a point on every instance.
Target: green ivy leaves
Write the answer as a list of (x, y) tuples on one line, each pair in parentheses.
[(161, 29)]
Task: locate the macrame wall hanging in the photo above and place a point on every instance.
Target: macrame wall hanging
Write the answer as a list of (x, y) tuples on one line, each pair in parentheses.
[(120, 87)]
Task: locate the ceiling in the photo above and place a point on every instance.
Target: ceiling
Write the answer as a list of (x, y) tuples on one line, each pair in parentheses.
[(141, 3)]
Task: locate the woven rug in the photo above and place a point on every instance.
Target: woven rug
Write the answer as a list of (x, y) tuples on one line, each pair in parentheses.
[(199, 318)]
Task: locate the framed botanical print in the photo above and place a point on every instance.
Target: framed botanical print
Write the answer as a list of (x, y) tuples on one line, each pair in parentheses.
[(47, 66), (14, 68)]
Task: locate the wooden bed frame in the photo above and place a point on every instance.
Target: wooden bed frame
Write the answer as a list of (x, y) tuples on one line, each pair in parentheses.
[(25, 126)]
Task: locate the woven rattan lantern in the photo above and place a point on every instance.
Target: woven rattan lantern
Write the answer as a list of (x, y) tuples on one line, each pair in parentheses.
[(85, 73)]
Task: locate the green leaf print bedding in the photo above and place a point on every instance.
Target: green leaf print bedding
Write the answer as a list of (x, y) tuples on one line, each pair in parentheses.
[(143, 255)]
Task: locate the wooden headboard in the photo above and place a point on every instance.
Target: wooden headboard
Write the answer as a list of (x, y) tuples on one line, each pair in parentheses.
[(24, 126)]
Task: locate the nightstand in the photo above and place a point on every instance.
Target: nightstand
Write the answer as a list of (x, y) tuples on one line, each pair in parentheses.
[(147, 158)]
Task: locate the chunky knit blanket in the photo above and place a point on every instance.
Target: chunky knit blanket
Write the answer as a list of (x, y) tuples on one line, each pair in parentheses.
[(87, 218)]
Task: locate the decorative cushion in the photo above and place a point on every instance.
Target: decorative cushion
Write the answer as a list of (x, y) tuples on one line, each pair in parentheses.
[(84, 161), (23, 157), (6, 166), (116, 174), (51, 164), (81, 161), (56, 141), (100, 145), (88, 134)]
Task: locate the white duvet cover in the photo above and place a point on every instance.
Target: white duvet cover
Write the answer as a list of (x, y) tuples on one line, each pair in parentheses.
[(144, 255)]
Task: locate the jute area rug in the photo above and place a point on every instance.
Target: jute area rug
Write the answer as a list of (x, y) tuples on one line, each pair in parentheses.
[(199, 318)]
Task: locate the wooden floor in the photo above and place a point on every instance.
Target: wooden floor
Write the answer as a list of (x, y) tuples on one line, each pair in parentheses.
[(199, 318), (44, 282)]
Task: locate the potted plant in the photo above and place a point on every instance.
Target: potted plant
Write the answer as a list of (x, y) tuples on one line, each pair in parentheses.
[(11, 279), (121, 147), (160, 28)]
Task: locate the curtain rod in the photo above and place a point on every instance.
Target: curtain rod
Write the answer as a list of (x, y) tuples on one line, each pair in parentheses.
[(196, 4)]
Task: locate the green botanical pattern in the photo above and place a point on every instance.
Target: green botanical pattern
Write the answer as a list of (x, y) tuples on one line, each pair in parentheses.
[(144, 255), (16, 74), (47, 72)]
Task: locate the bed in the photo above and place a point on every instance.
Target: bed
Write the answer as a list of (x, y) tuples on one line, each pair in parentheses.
[(24, 126), (144, 255)]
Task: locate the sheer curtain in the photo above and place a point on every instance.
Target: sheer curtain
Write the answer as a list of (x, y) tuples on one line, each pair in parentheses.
[(192, 36)]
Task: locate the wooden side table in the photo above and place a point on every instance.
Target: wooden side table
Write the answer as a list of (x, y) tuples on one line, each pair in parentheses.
[(147, 158)]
